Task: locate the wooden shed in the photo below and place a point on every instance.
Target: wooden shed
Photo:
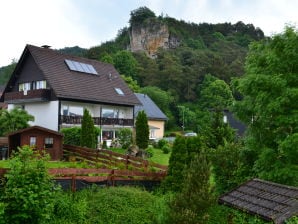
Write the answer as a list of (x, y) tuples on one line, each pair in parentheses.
[(38, 137)]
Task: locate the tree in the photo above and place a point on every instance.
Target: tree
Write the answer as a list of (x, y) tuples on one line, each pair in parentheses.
[(125, 64), (192, 203), (132, 84), (142, 130), (269, 105), (139, 15), (13, 120), (88, 131), (184, 150), (29, 190)]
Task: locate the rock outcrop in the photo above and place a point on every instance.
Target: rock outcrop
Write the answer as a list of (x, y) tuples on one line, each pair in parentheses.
[(150, 37)]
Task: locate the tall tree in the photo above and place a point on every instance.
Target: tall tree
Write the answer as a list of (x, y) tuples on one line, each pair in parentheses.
[(142, 130), (269, 106), (13, 120), (125, 63), (88, 131)]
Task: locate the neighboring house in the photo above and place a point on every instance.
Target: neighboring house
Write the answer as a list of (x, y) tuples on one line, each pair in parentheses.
[(237, 125), (39, 138), (2, 105), (156, 118), (55, 88)]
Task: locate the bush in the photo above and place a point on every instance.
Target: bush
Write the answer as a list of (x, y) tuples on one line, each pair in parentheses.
[(125, 137), (123, 205), (71, 135), (150, 152), (166, 149), (29, 190), (161, 143)]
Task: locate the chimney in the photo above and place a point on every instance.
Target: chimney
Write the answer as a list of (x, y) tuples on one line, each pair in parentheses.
[(46, 46)]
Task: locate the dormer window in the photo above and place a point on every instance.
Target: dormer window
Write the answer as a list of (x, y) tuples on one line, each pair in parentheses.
[(119, 91), (24, 86)]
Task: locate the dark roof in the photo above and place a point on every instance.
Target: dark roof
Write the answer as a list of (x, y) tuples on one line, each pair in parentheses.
[(68, 84), (151, 109), (35, 127), (235, 123), (270, 201)]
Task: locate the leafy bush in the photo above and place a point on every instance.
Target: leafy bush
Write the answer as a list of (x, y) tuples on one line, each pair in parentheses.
[(88, 138), (71, 135), (161, 143), (29, 190), (150, 152), (166, 149), (123, 205), (125, 137), (70, 208)]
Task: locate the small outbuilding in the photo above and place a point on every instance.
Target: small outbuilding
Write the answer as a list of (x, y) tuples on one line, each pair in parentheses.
[(39, 138), (269, 200)]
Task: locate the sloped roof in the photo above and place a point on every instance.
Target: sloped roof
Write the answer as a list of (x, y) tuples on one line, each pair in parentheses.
[(35, 127), (269, 200), (151, 109), (69, 84)]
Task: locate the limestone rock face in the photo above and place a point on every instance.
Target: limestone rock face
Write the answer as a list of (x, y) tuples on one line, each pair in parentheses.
[(150, 37)]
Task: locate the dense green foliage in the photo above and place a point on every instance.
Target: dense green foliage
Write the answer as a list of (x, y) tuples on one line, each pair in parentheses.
[(140, 15), (29, 190), (72, 136), (5, 73), (125, 137), (191, 204), (76, 50), (269, 107), (88, 131), (183, 151), (13, 120), (142, 130)]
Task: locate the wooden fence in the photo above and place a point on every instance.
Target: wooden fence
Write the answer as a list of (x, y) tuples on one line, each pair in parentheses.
[(109, 159), (110, 176)]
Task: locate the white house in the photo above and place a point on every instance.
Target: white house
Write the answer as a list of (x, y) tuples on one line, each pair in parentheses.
[(55, 88)]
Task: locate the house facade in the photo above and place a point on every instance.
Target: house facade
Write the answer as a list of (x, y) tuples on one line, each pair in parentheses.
[(55, 88), (156, 118)]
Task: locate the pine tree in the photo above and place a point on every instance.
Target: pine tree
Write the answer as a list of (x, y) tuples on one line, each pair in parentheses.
[(142, 130), (191, 204), (88, 131)]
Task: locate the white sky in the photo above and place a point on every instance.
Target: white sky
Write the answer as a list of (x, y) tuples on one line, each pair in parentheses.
[(87, 23)]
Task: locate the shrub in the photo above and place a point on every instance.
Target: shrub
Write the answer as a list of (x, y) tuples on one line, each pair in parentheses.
[(125, 137), (29, 190), (150, 152), (161, 143), (71, 135), (121, 205), (166, 149)]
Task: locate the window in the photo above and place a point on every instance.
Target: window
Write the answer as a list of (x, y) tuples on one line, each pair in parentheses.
[(119, 91), (48, 142), (80, 67), (110, 113), (24, 86), (32, 141)]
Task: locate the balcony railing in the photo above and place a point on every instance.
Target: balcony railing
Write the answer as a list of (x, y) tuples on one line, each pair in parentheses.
[(29, 96), (97, 120)]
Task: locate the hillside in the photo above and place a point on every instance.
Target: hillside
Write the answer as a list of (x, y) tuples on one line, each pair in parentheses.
[(163, 55)]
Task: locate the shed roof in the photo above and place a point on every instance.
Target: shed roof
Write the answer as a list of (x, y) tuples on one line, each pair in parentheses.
[(70, 84), (269, 200), (37, 128), (151, 109)]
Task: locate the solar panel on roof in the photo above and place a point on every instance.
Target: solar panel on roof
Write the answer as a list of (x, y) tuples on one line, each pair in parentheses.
[(80, 67)]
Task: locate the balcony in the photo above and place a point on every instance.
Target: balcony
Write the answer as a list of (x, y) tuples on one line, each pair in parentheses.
[(97, 120), (35, 95)]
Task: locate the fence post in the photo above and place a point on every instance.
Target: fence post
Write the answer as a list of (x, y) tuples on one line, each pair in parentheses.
[(145, 164), (73, 183), (112, 178), (126, 161)]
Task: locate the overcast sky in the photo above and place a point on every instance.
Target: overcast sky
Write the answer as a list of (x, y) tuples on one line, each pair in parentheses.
[(87, 23)]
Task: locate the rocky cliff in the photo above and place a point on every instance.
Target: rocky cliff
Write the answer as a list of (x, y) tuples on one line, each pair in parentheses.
[(150, 37)]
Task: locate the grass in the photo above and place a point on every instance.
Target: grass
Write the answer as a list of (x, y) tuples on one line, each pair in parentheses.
[(159, 157)]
